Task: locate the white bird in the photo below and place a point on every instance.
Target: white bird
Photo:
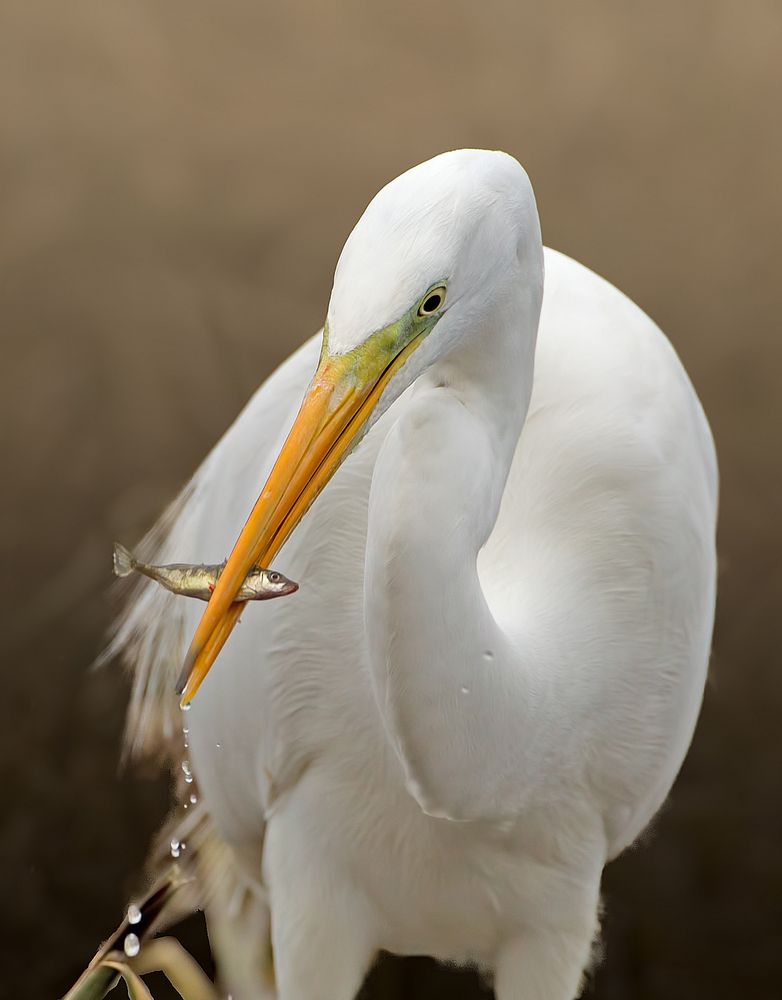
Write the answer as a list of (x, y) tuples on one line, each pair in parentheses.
[(491, 674)]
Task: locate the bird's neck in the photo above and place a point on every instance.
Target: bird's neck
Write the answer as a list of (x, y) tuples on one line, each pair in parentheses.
[(491, 377), (440, 475), (436, 492)]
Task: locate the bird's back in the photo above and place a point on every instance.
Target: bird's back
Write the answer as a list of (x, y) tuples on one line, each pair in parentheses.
[(603, 556)]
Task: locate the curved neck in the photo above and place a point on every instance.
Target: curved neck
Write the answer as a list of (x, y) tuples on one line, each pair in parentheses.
[(436, 491)]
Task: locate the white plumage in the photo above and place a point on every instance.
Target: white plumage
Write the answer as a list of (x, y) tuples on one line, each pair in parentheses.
[(421, 751)]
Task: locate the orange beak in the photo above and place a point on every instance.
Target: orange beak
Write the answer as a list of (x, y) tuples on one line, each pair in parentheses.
[(338, 403)]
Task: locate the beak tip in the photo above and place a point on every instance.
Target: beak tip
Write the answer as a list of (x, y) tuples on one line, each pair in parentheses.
[(184, 677)]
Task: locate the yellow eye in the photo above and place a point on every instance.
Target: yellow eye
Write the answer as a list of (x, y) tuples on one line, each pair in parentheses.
[(434, 300)]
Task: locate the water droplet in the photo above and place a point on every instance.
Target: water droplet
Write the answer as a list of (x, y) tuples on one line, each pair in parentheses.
[(465, 690), (134, 914), (187, 745), (488, 655), (189, 779), (186, 768), (131, 945), (219, 745), (182, 846), (185, 806), (186, 707), (193, 798), (185, 730), (175, 847)]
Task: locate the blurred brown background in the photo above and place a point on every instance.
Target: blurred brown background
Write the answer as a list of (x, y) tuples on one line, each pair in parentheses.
[(176, 181)]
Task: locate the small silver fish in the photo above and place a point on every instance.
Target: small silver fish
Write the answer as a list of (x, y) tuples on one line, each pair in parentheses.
[(199, 580)]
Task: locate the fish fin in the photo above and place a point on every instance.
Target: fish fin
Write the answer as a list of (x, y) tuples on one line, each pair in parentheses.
[(124, 563)]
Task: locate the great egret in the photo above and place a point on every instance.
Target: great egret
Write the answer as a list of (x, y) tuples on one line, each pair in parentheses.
[(492, 672)]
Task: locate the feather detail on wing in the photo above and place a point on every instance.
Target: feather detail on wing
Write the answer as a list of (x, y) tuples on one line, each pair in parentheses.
[(150, 633)]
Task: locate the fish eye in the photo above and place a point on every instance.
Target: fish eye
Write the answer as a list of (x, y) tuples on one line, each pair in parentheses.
[(433, 300), (274, 577)]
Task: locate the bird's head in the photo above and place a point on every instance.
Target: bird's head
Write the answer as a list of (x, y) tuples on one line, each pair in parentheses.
[(440, 251)]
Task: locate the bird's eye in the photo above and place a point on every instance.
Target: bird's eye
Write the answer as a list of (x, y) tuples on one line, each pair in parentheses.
[(434, 300), (274, 577)]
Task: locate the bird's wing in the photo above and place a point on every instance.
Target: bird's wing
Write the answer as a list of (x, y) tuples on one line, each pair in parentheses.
[(152, 631)]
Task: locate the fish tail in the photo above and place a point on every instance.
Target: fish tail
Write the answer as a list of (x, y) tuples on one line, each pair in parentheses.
[(124, 563)]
